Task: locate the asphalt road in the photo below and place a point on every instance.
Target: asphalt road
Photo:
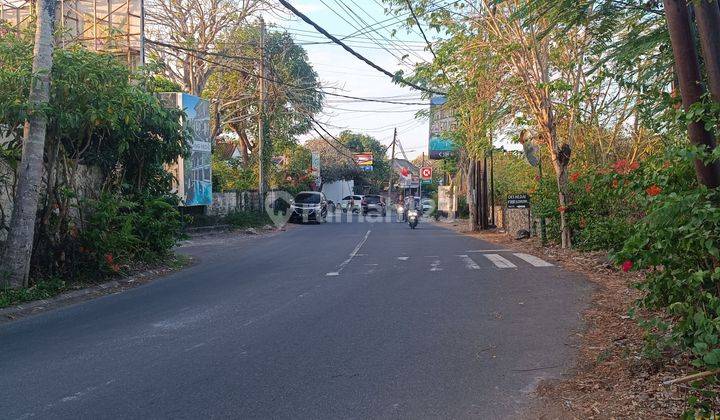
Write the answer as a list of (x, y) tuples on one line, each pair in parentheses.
[(340, 320)]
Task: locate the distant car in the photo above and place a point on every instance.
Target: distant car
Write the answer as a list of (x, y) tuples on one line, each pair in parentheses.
[(352, 203), (309, 206), (374, 204), (427, 204)]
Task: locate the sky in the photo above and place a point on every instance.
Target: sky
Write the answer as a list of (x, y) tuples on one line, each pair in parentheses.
[(342, 73)]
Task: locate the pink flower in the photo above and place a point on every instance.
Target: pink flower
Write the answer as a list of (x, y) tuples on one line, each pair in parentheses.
[(627, 266), (574, 177)]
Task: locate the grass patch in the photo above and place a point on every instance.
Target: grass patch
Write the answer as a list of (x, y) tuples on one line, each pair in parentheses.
[(247, 219), (42, 290)]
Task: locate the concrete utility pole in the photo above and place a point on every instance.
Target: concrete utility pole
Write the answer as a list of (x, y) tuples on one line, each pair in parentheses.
[(392, 168), (690, 80), (261, 118)]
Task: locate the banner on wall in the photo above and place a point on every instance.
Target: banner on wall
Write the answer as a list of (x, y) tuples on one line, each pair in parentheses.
[(193, 175)]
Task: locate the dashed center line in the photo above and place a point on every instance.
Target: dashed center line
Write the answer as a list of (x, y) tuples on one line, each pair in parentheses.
[(353, 254)]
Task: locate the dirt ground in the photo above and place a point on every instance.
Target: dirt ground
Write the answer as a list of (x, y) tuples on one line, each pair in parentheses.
[(612, 378)]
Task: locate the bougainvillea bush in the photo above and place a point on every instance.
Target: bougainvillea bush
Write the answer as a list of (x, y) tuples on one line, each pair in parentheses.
[(653, 215)]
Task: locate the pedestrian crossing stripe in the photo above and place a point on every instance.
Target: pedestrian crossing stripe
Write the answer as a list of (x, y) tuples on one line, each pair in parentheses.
[(533, 260), (499, 261)]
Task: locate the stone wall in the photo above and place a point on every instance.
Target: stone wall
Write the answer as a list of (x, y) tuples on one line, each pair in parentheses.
[(87, 184), (515, 219)]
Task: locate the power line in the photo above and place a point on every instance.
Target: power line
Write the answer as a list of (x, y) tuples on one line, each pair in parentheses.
[(354, 53), (194, 53)]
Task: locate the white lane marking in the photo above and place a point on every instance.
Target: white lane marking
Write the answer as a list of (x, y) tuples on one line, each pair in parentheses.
[(469, 263), (435, 266), (533, 260), (403, 258), (353, 254), (499, 261)]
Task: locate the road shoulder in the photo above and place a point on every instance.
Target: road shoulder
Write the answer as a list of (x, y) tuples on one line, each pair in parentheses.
[(183, 259), (612, 378)]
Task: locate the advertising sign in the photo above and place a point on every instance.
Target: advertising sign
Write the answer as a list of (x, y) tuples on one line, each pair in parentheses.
[(364, 161), (193, 174), (441, 121)]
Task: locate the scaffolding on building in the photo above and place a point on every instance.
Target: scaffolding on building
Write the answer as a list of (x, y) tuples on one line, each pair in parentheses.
[(113, 26)]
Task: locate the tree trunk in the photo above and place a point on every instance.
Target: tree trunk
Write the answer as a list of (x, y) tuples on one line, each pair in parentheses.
[(30, 171), (690, 81), (471, 194), (707, 14)]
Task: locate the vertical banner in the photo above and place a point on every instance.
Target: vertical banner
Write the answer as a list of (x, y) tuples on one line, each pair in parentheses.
[(442, 120), (316, 169), (194, 173)]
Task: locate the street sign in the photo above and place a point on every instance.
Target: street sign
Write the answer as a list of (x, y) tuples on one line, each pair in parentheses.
[(426, 181), (426, 173), (518, 201)]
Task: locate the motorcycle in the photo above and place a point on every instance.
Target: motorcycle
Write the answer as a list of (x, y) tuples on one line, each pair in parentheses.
[(412, 216), (401, 212)]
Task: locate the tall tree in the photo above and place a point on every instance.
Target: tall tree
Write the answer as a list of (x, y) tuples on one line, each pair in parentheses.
[(195, 26), (18, 248), (293, 96)]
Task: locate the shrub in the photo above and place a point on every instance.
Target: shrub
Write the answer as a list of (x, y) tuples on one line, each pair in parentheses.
[(245, 219), (121, 231)]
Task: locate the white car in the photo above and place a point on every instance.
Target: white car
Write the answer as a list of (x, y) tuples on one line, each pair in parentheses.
[(352, 203)]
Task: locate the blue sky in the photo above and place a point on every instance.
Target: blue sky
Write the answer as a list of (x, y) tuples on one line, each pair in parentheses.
[(340, 72)]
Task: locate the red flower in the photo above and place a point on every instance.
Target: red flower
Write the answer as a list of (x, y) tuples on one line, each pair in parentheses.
[(574, 177), (634, 166), (588, 187), (109, 258), (620, 166), (615, 183), (653, 190), (626, 266), (562, 209)]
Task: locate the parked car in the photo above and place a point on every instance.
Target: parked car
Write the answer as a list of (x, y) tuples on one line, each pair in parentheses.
[(373, 203), (351, 203), (307, 206)]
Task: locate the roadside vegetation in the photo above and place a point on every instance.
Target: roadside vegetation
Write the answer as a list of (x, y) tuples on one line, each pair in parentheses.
[(625, 134)]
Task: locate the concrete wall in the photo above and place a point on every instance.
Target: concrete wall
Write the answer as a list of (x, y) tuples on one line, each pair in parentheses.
[(222, 203)]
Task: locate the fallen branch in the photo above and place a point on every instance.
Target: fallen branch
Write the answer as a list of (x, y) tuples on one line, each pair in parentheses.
[(693, 377)]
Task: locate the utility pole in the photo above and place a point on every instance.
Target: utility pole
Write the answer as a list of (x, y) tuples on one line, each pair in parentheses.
[(422, 165), (392, 168), (261, 118)]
